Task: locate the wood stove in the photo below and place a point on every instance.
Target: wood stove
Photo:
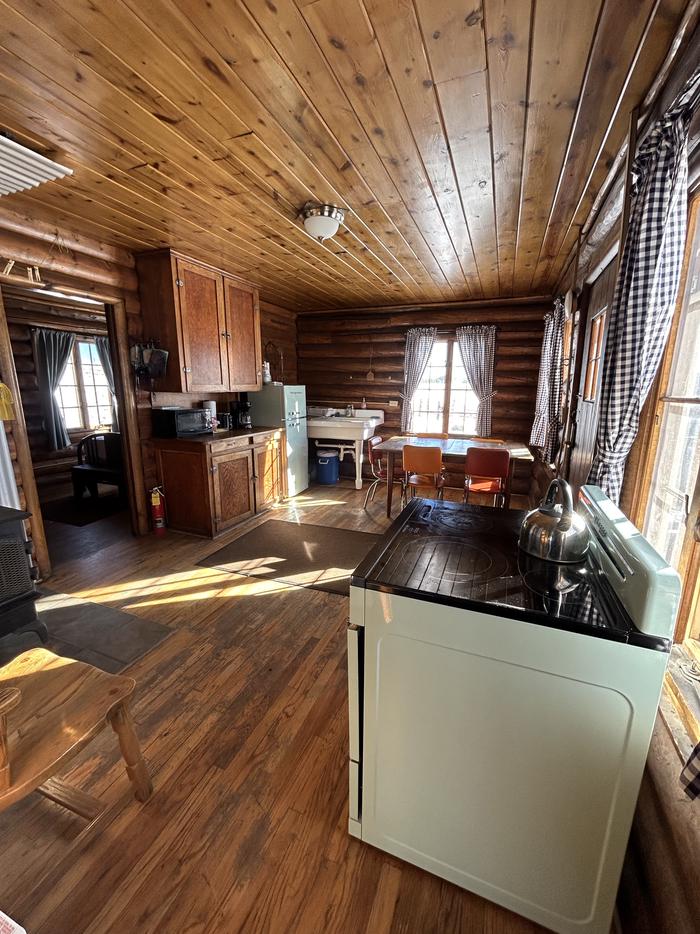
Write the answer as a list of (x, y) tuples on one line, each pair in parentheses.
[(18, 591)]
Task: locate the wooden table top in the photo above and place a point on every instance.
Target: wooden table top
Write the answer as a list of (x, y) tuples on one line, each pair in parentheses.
[(455, 447)]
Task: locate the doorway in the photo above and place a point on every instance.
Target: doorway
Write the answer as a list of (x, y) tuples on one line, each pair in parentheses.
[(50, 331)]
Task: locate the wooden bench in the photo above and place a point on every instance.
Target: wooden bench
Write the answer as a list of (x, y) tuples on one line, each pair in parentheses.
[(99, 461), (50, 708)]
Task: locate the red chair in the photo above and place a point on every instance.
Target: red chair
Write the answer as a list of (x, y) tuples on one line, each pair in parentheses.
[(486, 470), (379, 471)]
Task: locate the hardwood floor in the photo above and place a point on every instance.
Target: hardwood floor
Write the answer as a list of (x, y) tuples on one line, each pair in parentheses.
[(242, 717)]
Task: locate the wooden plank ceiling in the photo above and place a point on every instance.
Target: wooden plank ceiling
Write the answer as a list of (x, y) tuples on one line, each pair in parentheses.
[(467, 140)]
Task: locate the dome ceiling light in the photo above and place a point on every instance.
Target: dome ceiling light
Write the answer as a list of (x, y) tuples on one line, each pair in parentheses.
[(321, 221)]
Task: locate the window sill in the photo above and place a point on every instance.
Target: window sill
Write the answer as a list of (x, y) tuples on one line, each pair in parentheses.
[(680, 699)]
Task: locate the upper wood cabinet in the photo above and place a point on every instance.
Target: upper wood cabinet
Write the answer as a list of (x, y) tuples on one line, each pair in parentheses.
[(208, 321), (243, 331)]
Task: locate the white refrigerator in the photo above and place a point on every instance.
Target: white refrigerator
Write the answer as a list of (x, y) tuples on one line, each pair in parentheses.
[(279, 406)]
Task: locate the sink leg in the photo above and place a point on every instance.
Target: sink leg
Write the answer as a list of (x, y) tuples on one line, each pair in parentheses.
[(358, 465)]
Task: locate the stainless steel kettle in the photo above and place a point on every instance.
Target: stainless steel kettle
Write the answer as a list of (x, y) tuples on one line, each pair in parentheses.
[(553, 531)]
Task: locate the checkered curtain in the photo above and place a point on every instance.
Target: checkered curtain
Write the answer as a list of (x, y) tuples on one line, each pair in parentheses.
[(545, 427), (477, 344), (419, 344), (646, 289)]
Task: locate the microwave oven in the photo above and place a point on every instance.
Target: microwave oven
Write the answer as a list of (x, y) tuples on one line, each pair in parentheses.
[(180, 423)]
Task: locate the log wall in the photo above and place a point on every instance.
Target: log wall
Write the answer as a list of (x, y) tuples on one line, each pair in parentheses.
[(334, 358), (279, 341)]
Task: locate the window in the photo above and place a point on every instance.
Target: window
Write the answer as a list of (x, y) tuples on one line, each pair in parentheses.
[(83, 394), (595, 352), (444, 402), (667, 505)]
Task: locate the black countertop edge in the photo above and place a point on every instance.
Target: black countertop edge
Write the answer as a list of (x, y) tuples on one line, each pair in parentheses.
[(628, 637)]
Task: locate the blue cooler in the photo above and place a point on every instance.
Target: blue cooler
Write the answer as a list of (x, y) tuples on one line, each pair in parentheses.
[(327, 467)]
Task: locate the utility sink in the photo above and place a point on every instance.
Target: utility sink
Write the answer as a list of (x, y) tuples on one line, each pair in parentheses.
[(335, 426)]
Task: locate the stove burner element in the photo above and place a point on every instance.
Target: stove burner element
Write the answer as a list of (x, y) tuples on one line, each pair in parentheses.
[(444, 517)]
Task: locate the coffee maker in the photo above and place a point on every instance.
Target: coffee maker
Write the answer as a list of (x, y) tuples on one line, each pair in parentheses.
[(240, 413)]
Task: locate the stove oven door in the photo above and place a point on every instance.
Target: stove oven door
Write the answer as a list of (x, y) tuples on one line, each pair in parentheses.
[(503, 755)]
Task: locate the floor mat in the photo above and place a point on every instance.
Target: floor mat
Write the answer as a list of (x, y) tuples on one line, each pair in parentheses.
[(89, 632), (315, 556), (84, 511)]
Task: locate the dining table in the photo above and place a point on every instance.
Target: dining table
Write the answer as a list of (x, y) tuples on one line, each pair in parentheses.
[(453, 449)]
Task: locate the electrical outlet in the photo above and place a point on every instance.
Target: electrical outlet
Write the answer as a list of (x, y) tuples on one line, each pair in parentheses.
[(393, 403)]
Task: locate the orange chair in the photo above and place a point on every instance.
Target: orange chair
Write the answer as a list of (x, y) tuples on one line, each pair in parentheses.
[(422, 467), (486, 471)]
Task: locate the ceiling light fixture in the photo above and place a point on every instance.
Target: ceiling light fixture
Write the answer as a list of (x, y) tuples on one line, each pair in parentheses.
[(322, 221)]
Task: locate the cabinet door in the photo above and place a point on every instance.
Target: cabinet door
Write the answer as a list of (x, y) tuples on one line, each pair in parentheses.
[(203, 323), (267, 474), (183, 476), (243, 328), (234, 494)]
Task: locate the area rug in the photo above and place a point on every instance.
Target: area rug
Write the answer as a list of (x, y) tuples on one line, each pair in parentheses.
[(82, 512), (316, 556), (89, 632)]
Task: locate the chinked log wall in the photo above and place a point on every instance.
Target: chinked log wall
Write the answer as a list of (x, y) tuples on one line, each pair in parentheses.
[(334, 357)]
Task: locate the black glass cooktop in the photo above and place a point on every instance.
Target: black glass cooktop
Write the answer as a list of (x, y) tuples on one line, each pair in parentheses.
[(445, 552)]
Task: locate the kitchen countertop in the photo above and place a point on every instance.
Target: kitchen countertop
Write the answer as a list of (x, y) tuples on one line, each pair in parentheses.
[(219, 436)]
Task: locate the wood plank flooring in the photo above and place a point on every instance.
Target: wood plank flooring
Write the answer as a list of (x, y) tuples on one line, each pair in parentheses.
[(242, 718)]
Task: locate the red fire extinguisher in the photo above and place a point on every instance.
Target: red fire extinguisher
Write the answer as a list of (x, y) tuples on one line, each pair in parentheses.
[(158, 510)]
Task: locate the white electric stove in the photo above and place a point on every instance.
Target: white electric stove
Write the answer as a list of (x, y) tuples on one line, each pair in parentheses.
[(501, 707)]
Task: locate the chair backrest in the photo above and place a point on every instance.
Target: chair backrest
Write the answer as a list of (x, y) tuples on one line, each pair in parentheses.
[(371, 444), (492, 440), (101, 449), (440, 435), (487, 462), (419, 459)]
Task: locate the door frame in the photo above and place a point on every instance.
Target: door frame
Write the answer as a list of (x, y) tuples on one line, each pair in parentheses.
[(118, 333)]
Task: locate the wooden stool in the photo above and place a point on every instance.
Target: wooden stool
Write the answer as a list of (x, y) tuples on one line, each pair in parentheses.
[(50, 708)]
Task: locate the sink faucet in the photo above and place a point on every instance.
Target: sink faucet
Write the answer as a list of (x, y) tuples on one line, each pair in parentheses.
[(349, 410)]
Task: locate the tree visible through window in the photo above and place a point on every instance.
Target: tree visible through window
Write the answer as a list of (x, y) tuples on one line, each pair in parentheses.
[(83, 394), (444, 402)]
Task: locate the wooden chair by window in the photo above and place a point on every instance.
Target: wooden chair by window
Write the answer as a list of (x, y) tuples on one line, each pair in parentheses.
[(422, 468), (440, 435), (379, 471), (491, 440), (486, 471), (50, 708), (99, 461)]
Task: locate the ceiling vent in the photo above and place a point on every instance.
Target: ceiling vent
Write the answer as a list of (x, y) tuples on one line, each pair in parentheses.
[(22, 168)]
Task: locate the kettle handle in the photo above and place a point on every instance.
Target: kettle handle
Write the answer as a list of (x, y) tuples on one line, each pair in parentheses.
[(559, 485)]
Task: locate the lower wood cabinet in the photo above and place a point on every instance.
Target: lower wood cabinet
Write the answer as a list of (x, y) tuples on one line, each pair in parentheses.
[(213, 483), (233, 477)]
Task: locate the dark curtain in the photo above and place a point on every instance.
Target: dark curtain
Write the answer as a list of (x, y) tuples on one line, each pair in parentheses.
[(52, 350), (646, 288), (102, 345)]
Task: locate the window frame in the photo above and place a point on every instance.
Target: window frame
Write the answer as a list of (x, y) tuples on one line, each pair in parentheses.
[(83, 405), (451, 342)]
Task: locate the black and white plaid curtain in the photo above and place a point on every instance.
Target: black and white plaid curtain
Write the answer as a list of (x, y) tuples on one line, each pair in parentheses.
[(646, 289), (545, 427), (477, 344), (419, 344)]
